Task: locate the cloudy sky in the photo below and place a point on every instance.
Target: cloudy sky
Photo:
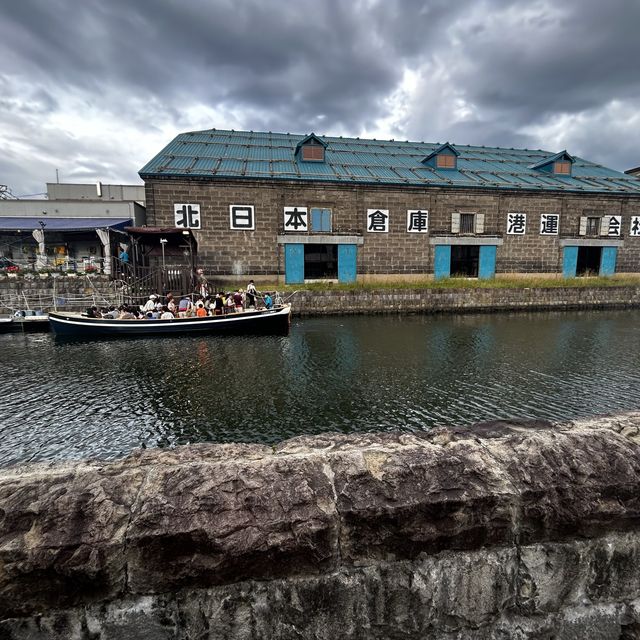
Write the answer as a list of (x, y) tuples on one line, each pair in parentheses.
[(95, 88)]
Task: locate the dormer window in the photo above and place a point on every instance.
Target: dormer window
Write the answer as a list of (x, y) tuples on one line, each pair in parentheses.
[(559, 164), (445, 161), (311, 149), (444, 157)]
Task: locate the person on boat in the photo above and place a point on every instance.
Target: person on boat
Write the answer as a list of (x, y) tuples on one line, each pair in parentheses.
[(238, 299), (112, 313), (171, 304), (229, 305), (127, 314), (150, 304), (166, 314), (185, 307), (251, 295), (268, 301), (92, 312), (201, 312), (218, 304)]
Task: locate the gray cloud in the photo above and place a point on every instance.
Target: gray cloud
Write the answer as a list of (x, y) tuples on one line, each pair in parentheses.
[(100, 87)]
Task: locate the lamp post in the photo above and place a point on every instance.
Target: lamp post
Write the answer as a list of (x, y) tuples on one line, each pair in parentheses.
[(163, 241)]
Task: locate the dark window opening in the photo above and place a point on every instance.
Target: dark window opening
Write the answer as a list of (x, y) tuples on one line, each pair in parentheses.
[(464, 261), (593, 226), (467, 223), (588, 261), (320, 261)]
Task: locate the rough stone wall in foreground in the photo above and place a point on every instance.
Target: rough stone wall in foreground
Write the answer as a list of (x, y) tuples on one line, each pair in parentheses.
[(501, 531)]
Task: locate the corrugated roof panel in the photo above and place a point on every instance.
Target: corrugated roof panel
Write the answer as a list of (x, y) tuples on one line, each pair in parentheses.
[(354, 170), (235, 166), (383, 172), (180, 163), (258, 166), (258, 153), (315, 169), (406, 173), (285, 167), (205, 164)]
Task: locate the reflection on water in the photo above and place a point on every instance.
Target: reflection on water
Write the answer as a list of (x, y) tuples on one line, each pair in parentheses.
[(73, 400)]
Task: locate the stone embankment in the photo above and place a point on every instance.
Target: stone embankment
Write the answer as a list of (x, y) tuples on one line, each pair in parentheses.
[(503, 531), (463, 300)]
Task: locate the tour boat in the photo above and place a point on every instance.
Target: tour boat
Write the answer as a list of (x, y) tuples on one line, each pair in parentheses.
[(263, 321)]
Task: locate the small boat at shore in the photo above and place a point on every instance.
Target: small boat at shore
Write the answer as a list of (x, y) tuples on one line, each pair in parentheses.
[(24, 324), (263, 321)]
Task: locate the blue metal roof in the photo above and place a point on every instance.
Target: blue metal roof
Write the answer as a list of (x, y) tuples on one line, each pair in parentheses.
[(254, 155), (16, 223)]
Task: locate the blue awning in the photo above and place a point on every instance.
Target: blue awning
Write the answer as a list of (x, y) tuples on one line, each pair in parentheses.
[(17, 223)]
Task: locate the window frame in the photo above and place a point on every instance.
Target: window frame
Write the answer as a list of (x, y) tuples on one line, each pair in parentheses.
[(445, 161), (467, 216), (326, 214), (314, 149)]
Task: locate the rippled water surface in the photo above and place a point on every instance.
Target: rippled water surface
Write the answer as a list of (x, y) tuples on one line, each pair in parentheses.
[(102, 399)]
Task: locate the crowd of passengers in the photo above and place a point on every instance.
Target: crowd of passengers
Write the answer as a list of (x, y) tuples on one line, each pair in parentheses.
[(187, 307)]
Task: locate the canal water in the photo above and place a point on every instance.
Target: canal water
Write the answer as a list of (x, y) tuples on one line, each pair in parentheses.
[(70, 400)]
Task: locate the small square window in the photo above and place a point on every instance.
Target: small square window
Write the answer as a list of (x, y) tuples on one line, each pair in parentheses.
[(562, 167), (593, 226), (313, 152), (467, 223), (321, 220), (446, 161)]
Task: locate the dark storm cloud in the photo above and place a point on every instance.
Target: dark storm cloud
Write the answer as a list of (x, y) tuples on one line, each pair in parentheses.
[(494, 72), (566, 58), (297, 60)]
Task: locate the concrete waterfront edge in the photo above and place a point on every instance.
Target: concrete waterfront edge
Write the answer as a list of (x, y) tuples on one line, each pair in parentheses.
[(483, 530)]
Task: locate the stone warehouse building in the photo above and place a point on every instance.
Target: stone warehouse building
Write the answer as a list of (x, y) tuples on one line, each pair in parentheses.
[(316, 207)]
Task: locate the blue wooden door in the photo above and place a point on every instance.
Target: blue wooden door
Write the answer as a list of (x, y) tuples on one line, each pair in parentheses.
[(293, 263), (347, 256), (569, 262), (487, 262), (442, 261), (608, 261)]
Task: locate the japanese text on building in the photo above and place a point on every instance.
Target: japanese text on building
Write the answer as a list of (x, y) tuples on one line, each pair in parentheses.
[(516, 223), (187, 216), (549, 224), (417, 220), (241, 217), (296, 219), (378, 220)]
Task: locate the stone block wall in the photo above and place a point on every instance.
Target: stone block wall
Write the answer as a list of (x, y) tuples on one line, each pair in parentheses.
[(225, 251), (507, 530), (461, 300)]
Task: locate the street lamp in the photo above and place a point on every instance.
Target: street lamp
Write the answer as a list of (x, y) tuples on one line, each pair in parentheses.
[(163, 241)]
